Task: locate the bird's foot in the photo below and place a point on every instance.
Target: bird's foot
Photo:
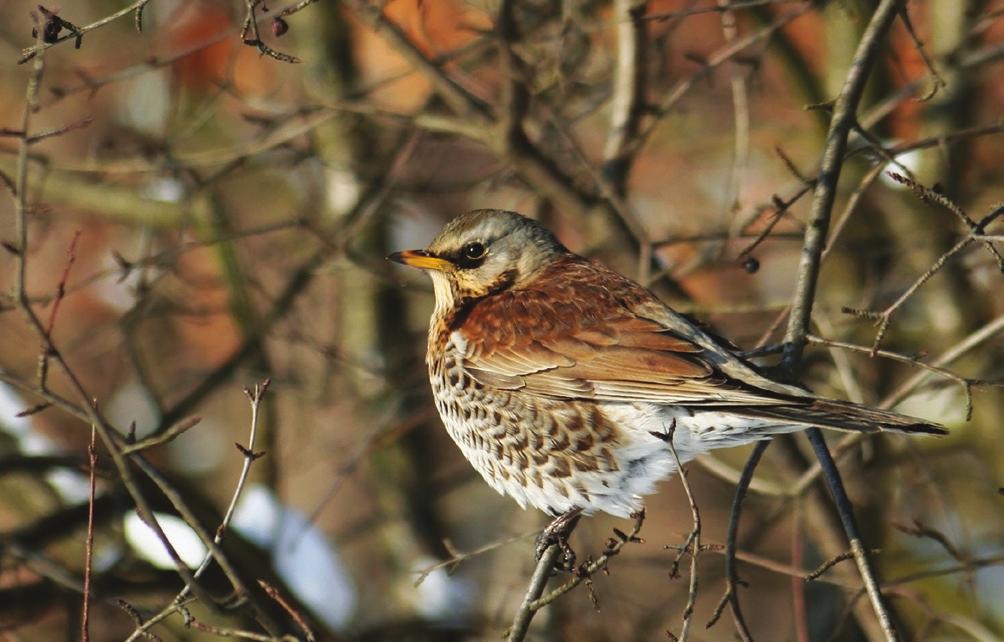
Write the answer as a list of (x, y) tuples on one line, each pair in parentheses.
[(556, 534)]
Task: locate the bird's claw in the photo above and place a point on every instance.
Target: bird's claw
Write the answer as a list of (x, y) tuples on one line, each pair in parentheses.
[(556, 534)]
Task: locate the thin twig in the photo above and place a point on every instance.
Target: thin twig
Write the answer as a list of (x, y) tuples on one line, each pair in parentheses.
[(298, 617), (716, 59), (799, 608), (33, 51), (975, 339), (92, 460), (731, 596), (299, 6), (255, 397), (255, 40), (456, 557), (843, 119), (693, 541), (846, 512), (969, 343), (965, 384), (459, 99), (884, 317), (111, 438), (939, 82)]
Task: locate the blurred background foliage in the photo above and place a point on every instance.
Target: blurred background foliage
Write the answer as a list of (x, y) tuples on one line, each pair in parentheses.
[(233, 210)]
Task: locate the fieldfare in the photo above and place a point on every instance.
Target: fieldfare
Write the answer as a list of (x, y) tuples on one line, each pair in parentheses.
[(560, 379)]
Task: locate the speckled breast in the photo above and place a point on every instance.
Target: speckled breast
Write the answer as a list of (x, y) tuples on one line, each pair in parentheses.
[(550, 454)]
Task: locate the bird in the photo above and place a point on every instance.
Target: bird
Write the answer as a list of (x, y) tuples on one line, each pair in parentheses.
[(561, 380)]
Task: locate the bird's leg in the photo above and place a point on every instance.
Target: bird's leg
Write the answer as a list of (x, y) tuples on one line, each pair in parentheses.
[(556, 533)]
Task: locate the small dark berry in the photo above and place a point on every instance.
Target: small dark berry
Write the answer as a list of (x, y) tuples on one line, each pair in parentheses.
[(751, 265), (279, 27)]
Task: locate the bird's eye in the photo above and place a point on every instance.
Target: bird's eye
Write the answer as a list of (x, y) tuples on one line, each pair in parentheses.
[(471, 255), (474, 251)]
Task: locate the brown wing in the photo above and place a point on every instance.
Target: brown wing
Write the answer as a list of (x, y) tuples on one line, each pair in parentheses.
[(579, 335)]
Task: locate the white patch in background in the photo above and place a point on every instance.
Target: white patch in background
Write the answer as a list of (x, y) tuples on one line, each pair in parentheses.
[(148, 546), (414, 227), (162, 12), (130, 403), (73, 487), (441, 596), (301, 554), (200, 450), (106, 555), (990, 582), (944, 405), (119, 294), (912, 160), (11, 404), (144, 102), (343, 190), (165, 189)]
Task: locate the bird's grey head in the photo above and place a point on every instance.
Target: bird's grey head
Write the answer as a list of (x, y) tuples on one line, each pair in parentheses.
[(483, 252)]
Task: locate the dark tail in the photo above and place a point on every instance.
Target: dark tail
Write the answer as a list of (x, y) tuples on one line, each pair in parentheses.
[(844, 415)]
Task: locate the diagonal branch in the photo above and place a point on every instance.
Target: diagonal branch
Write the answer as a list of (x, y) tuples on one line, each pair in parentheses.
[(843, 120), (31, 52)]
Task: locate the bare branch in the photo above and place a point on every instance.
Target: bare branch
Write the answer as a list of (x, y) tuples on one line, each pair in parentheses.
[(693, 541), (77, 33), (541, 573)]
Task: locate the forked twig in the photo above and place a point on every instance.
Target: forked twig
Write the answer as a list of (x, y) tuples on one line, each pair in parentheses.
[(255, 396), (693, 541), (884, 317), (534, 600)]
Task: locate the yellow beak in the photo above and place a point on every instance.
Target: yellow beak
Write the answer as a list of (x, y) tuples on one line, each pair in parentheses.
[(420, 259)]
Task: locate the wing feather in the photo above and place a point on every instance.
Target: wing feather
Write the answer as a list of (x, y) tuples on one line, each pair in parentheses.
[(586, 332), (583, 338)]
